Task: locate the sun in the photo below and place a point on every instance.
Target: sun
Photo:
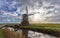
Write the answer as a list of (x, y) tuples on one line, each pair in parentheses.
[(36, 17)]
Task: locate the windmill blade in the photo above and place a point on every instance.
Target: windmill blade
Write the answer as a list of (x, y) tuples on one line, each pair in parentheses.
[(30, 14), (26, 10)]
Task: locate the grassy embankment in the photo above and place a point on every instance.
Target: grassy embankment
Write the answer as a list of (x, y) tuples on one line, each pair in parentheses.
[(54, 27), (2, 34)]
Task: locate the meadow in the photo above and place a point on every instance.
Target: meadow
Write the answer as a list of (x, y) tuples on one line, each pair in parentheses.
[(54, 27), (2, 34)]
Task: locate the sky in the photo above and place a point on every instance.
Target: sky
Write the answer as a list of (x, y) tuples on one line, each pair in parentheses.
[(47, 11)]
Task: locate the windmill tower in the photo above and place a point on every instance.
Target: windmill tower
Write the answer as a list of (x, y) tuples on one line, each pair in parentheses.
[(25, 21)]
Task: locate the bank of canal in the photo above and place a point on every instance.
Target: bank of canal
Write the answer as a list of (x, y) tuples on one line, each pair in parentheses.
[(24, 33), (2, 34), (52, 29)]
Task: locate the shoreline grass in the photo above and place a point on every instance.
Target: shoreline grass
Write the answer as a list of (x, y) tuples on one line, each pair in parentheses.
[(2, 34), (54, 27)]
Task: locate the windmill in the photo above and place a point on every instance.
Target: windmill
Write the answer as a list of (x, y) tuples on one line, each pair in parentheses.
[(25, 21)]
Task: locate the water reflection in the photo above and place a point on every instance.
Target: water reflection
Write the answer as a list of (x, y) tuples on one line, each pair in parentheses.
[(23, 33), (33, 34)]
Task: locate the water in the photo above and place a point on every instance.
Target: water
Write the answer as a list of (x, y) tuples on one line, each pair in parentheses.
[(32, 34)]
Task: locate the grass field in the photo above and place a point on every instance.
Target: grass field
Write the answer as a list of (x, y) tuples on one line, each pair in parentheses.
[(2, 34), (55, 27)]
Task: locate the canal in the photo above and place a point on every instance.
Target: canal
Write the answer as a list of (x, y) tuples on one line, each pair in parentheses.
[(23, 33)]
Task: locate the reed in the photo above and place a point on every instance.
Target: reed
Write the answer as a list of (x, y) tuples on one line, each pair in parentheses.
[(12, 34)]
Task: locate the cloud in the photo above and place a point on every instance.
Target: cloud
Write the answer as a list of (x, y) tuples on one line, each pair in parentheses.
[(48, 9), (8, 11), (9, 5)]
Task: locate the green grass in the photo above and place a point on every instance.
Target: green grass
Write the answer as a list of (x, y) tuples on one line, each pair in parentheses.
[(2, 34), (55, 27)]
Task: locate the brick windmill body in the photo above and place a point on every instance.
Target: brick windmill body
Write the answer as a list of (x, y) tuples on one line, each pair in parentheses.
[(25, 21)]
